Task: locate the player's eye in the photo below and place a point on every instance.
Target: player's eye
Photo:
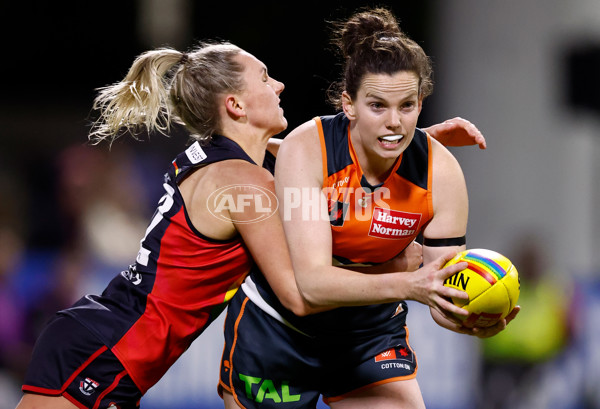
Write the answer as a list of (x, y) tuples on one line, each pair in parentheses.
[(408, 105)]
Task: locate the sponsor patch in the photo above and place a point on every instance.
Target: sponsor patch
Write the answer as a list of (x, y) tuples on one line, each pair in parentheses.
[(393, 224), (195, 153), (386, 355)]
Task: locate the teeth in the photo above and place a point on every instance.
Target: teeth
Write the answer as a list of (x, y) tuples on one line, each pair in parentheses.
[(392, 138)]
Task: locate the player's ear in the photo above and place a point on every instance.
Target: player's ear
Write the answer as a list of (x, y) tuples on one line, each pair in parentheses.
[(234, 106), (348, 106)]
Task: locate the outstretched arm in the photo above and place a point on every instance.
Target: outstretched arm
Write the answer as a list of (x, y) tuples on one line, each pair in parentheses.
[(457, 132)]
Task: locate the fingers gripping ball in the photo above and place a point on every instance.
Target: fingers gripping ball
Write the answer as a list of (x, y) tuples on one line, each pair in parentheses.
[(492, 283)]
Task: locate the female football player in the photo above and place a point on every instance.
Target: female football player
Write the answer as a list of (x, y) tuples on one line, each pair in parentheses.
[(361, 185)]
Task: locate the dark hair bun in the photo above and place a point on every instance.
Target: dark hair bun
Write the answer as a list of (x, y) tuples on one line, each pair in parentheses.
[(365, 29)]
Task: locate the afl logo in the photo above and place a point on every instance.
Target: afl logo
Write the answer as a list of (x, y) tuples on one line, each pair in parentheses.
[(242, 203)]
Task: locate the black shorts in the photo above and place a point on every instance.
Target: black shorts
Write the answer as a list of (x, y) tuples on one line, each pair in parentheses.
[(70, 361), (266, 364)]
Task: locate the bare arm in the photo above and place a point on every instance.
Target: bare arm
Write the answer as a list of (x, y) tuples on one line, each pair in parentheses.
[(450, 206), (257, 222), (408, 260), (457, 132), (273, 145), (298, 184), (450, 214)]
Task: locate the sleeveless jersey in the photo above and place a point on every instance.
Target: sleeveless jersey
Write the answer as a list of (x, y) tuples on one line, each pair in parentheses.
[(369, 224), (180, 282)]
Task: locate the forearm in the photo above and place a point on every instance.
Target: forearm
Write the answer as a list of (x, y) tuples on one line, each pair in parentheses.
[(330, 286)]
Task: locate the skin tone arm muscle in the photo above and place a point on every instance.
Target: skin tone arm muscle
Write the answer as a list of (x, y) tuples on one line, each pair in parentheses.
[(308, 232), (457, 132), (263, 238), (274, 261), (450, 204)]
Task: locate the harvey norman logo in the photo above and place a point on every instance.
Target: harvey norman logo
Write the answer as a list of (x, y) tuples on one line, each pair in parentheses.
[(393, 224)]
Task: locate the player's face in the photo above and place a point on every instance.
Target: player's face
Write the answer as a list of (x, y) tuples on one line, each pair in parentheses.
[(385, 112), (261, 96)]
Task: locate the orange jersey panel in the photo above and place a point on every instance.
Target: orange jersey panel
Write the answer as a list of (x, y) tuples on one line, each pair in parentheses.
[(372, 224)]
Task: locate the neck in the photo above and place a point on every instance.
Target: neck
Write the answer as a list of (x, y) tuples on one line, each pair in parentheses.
[(254, 148), (252, 142)]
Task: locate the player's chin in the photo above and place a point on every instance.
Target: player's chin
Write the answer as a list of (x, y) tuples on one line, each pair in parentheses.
[(280, 127), (283, 124), (387, 151), (387, 154)]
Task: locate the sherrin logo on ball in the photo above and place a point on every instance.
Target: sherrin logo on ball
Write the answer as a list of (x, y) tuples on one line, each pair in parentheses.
[(492, 283)]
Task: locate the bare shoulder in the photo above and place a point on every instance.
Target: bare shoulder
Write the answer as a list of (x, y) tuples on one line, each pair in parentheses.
[(446, 167), (237, 171), (441, 153), (203, 182), (202, 193), (299, 156), (449, 192), (304, 136), (301, 144)]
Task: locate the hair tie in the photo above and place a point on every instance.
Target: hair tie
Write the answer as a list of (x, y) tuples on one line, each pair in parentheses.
[(184, 58)]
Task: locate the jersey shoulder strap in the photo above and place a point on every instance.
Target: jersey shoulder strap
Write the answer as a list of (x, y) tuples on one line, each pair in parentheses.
[(415, 165), (197, 155), (333, 132)]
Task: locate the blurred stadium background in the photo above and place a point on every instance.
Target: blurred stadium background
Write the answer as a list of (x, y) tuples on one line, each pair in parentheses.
[(525, 72)]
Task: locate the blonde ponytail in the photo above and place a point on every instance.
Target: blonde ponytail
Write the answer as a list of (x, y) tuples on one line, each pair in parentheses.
[(154, 94), (140, 100)]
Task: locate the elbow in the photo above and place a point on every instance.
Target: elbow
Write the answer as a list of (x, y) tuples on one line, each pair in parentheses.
[(305, 299), (300, 310), (299, 306)]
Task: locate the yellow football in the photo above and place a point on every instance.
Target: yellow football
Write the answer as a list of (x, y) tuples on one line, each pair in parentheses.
[(492, 283)]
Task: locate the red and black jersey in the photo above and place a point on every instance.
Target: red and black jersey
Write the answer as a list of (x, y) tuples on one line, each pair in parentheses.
[(180, 282)]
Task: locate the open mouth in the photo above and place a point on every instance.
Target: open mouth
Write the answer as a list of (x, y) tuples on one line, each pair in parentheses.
[(390, 139)]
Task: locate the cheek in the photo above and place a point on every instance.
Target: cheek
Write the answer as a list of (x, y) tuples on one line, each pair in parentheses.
[(267, 101), (369, 120), (410, 119)]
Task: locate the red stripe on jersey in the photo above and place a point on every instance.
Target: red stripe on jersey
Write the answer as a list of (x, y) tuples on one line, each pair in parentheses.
[(193, 277)]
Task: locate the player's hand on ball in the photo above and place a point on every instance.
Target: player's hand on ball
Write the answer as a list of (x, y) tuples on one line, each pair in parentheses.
[(486, 332), (432, 292), (450, 322), (457, 132), (492, 283), (480, 332)]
